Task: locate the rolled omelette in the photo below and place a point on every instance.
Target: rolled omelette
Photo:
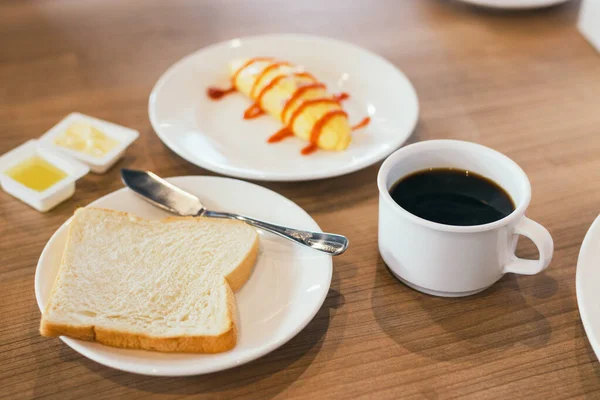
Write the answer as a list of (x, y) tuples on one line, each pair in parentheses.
[(295, 98)]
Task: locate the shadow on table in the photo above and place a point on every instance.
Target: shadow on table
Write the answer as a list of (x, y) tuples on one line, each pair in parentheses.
[(447, 329), (265, 377)]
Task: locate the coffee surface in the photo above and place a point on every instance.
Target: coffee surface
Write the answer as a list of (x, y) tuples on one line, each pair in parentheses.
[(452, 197)]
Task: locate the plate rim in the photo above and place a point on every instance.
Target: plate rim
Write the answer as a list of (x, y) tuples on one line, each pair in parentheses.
[(584, 251), (269, 177), (532, 4), (81, 346)]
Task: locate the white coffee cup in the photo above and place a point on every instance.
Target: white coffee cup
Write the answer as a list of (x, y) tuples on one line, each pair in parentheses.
[(453, 261)]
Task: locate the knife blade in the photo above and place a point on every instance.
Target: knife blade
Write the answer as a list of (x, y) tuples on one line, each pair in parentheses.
[(161, 193)]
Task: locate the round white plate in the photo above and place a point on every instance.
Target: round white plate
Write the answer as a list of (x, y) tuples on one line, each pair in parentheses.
[(588, 282), (287, 287), (515, 4), (213, 134)]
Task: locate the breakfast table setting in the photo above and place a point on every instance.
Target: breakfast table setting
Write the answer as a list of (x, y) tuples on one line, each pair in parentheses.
[(288, 200)]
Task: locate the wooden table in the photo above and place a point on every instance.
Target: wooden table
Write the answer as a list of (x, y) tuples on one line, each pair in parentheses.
[(525, 83)]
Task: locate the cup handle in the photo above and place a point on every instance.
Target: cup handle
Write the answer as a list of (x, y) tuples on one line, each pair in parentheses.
[(543, 241)]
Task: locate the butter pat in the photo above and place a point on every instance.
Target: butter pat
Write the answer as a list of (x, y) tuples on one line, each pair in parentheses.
[(87, 139), (39, 176), (98, 144), (36, 173)]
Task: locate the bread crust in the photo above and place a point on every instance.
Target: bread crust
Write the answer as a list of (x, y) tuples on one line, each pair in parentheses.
[(186, 343), (131, 340)]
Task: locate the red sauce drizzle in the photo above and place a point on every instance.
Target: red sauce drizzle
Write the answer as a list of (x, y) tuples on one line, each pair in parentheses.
[(306, 104), (305, 75), (365, 121), (256, 110), (263, 73), (318, 128), (311, 148), (299, 92), (216, 93), (341, 96), (280, 135), (246, 65)]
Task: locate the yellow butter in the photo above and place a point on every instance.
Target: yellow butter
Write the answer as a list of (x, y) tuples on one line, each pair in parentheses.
[(86, 139), (36, 173)]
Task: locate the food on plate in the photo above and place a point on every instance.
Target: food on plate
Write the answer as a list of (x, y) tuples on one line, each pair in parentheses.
[(86, 139), (164, 285), (294, 97)]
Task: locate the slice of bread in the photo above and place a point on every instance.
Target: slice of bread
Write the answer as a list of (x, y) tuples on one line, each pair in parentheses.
[(157, 285)]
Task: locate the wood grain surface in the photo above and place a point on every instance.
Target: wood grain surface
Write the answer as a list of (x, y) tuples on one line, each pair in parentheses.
[(525, 83)]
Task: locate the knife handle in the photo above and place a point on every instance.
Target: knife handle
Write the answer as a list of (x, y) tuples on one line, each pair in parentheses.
[(329, 243)]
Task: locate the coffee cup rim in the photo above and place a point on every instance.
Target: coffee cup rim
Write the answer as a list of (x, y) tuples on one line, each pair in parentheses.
[(392, 160)]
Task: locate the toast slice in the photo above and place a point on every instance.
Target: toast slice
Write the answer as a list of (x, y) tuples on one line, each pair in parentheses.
[(157, 285)]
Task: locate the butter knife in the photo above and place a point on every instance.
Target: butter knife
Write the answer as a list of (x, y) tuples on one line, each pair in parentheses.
[(169, 197)]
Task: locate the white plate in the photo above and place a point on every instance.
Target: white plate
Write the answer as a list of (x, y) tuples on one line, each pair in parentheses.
[(515, 4), (285, 291), (588, 282), (213, 134)]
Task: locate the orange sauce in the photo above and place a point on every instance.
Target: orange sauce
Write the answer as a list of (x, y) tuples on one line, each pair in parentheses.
[(246, 65), (305, 105), (280, 135), (306, 75), (263, 73), (341, 96), (255, 110), (296, 95), (365, 121), (318, 128), (311, 148), (216, 93)]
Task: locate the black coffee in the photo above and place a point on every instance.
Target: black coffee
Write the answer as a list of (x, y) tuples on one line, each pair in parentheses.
[(452, 197)]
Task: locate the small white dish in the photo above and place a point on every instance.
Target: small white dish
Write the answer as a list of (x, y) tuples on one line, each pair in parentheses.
[(125, 136), (514, 4), (55, 194), (287, 287), (587, 283), (213, 134)]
